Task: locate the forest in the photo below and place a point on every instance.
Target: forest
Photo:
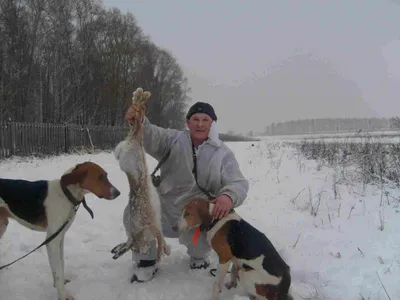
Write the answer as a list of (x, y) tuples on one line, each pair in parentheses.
[(74, 62)]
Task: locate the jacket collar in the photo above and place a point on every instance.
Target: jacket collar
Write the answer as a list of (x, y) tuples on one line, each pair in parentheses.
[(213, 135)]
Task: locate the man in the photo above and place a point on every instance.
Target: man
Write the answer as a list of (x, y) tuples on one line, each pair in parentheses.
[(197, 153)]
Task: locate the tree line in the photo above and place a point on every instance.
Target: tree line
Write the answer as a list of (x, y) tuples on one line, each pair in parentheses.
[(331, 125), (73, 61)]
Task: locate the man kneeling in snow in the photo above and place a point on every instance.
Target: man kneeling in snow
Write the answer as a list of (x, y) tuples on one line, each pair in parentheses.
[(199, 154)]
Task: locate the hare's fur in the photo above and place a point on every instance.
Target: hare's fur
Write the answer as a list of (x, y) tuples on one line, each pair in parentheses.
[(142, 215)]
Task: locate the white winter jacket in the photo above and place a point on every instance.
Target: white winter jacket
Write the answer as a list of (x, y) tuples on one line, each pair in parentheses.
[(217, 170)]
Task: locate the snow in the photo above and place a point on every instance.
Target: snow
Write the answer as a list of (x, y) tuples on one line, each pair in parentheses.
[(343, 137), (337, 255)]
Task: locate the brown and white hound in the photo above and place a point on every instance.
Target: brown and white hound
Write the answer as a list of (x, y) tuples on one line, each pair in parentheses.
[(47, 206), (255, 262)]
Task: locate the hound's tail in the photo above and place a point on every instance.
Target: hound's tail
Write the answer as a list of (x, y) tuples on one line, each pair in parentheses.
[(284, 286)]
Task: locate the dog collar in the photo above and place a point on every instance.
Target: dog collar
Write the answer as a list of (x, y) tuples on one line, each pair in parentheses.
[(76, 202), (205, 228), (208, 227)]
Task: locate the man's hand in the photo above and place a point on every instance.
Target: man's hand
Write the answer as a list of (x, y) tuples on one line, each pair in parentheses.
[(135, 112), (223, 205)]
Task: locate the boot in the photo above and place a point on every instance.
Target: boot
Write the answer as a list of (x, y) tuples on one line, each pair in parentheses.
[(144, 271)]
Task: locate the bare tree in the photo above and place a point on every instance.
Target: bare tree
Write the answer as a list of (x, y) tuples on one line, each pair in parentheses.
[(161, 74), (395, 122), (73, 61)]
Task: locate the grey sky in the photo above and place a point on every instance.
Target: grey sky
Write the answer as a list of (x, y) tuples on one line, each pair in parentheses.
[(260, 61)]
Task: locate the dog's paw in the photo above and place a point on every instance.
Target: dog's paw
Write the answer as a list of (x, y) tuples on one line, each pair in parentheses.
[(231, 284)]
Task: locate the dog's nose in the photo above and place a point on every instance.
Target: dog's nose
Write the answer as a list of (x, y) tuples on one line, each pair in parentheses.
[(115, 193)]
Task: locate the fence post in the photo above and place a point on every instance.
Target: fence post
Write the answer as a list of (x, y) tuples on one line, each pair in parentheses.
[(12, 138), (66, 138), (90, 138)]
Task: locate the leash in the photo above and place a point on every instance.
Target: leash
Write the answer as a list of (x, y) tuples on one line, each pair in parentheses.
[(213, 271), (50, 238), (194, 171), (156, 178), (210, 197), (42, 244)]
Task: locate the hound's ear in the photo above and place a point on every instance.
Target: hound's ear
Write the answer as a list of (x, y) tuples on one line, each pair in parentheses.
[(204, 213), (76, 176)]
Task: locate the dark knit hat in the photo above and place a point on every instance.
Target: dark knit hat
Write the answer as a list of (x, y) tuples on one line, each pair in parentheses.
[(202, 107)]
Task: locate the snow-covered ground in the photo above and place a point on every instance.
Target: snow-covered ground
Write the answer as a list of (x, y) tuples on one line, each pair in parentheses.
[(337, 253), (349, 137)]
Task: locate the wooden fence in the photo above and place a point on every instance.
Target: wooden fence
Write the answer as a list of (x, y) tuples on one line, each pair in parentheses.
[(40, 139), (37, 139)]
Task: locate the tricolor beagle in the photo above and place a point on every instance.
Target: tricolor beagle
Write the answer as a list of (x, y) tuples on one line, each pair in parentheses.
[(255, 262), (48, 205)]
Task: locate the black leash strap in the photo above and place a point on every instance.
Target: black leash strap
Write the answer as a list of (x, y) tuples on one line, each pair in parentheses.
[(210, 197), (161, 162), (194, 171), (214, 271), (76, 204), (87, 208), (48, 240)]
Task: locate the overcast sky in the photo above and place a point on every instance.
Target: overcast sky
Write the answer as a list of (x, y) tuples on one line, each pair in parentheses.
[(261, 61)]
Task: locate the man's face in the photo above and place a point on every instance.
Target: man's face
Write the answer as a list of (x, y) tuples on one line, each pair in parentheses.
[(199, 126)]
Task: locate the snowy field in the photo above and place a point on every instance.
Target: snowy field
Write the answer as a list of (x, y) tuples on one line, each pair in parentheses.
[(334, 245)]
